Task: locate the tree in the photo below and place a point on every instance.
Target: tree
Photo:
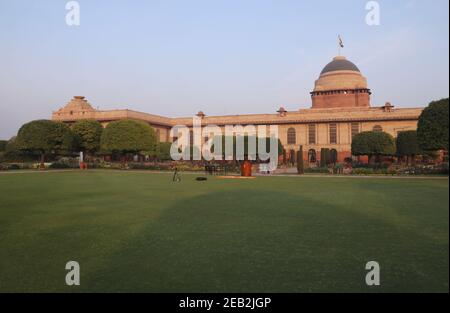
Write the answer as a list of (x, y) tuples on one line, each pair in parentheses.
[(45, 137), (128, 136), (373, 144), (325, 157), (3, 144), (432, 131), (300, 162), (88, 134), (164, 151), (246, 140), (407, 145)]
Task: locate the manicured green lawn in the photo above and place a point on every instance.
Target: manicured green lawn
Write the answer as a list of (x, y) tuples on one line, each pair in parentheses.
[(142, 232)]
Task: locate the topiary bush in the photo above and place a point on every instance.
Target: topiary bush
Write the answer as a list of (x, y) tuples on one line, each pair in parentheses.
[(300, 162)]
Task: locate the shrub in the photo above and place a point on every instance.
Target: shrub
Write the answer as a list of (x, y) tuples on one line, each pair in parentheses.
[(363, 171), (58, 165), (373, 144), (317, 170), (128, 136), (325, 157), (164, 151), (88, 134), (300, 162)]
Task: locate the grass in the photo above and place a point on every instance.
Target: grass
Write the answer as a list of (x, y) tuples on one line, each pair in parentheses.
[(140, 232)]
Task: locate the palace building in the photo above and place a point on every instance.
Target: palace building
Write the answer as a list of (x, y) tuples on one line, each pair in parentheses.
[(340, 109)]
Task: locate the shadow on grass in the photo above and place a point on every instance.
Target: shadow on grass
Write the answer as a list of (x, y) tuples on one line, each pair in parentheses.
[(250, 241)]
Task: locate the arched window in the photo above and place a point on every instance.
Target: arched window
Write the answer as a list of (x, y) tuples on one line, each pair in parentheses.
[(291, 136), (377, 128), (312, 156)]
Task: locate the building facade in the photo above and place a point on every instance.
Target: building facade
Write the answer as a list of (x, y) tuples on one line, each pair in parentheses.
[(340, 109)]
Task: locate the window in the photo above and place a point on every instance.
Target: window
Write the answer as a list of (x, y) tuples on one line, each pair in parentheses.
[(377, 128), (312, 156), (191, 138), (312, 134), (291, 136), (355, 129), (333, 133)]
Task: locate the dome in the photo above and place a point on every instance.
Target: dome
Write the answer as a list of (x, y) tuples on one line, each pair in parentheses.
[(340, 64), (340, 74), (341, 85)]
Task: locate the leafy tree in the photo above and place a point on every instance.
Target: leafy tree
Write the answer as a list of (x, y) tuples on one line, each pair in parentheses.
[(88, 134), (13, 154), (407, 145), (164, 151), (3, 144), (128, 136), (432, 132), (45, 137), (373, 144)]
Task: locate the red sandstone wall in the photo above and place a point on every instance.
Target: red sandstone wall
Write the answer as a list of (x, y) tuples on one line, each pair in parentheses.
[(341, 100)]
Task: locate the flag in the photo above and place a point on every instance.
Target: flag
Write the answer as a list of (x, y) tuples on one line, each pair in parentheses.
[(341, 42)]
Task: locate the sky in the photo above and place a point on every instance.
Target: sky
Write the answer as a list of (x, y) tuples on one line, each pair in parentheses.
[(177, 57)]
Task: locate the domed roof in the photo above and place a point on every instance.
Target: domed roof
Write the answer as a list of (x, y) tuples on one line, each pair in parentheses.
[(340, 74), (340, 64)]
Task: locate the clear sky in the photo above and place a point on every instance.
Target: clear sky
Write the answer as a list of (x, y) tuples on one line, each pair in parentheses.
[(175, 58)]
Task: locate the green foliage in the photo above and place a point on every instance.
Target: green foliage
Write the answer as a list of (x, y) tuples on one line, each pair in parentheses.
[(317, 170), (13, 154), (325, 157), (300, 162), (164, 151), (373, 144), (88, 133), (248, 139), (407, 144), (128, 136), (3, 144), (432, 132), (45, 137)]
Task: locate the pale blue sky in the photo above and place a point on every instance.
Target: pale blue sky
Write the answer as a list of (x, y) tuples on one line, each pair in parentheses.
[(175, 58)]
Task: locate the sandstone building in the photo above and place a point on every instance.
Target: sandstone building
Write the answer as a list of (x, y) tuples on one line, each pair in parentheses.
[(340, 109)]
